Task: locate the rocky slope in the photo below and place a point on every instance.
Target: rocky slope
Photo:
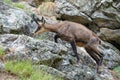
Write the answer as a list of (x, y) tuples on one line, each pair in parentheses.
[(101, 16)]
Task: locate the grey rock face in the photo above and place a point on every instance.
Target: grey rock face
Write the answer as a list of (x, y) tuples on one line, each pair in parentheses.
[(110, 35), (52, 71), (75, 10), (23, 47), (105, 13), (112, 55), (4, 6), (54, 57), (2, 66), (15, 21)]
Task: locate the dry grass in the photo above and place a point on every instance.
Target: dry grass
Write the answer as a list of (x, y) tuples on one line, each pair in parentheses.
[(7, 76), (46, 9)]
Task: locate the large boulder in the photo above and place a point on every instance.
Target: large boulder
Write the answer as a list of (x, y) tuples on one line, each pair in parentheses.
[(108, 14), (111, 55), (36, 3), (75, 10), (15, 20), (112, 36), (104, 13), (55, 55), (21, 47)]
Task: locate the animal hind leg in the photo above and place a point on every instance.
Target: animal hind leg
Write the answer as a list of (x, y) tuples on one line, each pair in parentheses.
[(95, 50), (75, 50), (94, 56)]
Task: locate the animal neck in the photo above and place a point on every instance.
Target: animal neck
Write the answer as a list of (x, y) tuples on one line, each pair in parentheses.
[(51, 27)]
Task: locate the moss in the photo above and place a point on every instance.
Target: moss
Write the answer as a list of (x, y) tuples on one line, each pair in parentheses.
[(16, 5), (1, 51), (117, 69), (25, 70), (22, 69), (7, 1)]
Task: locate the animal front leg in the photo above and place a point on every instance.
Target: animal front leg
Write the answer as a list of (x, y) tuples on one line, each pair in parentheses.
[(75, 50), (55, 38)]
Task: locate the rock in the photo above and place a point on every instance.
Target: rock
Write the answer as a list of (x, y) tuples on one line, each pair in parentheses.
[(52, 71), (83, 72), (110, 35), (4, 6), (22, 47), (106, 75), (36, 3), (104, 13), (78, 72), (75, 10), (15, 21), (112, 55), (107, 15), (47, 9), (2, 66), (58, 59)]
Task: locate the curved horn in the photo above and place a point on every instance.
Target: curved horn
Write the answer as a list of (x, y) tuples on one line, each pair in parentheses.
[(43, 20)]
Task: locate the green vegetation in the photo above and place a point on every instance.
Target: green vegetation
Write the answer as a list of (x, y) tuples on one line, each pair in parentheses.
[(22, 69), (7, 1), (117, 69), (19, 5), (16, 5), (40, 75), (25, 70), (1, 51), (48, 0)]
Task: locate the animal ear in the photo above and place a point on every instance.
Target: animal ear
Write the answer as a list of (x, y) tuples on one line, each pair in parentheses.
[(43, 20)]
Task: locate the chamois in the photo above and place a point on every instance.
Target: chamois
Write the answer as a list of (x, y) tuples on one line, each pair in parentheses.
[(74, 33)]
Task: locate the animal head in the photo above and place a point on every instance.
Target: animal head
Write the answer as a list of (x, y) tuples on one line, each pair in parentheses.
[(41, 27)]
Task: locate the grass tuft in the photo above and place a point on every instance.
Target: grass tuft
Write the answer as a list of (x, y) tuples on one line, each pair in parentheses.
[(22, 69), (25, 71), (1, 51), (19, 5), (117, 69), (16, 5)]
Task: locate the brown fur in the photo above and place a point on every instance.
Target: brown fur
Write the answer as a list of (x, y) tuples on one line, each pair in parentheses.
[(78, 34), (69, 31)]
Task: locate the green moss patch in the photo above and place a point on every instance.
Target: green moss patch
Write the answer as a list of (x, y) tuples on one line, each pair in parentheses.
[(117, 70), (16, 5), (1, 51), (25, 71)]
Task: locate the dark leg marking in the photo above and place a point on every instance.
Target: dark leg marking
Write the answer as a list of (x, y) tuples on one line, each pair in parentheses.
[(95, 50), (94, 55), (56, 37), (75, 50)]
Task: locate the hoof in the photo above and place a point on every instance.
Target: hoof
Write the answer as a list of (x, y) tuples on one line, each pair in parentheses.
[(100, 69)]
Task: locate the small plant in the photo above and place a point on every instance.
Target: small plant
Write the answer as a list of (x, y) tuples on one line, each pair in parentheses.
[(25, 70), (19, 5), (117, 69), (41, 75), (16, 5), (1, 51), (20, 68), (7, 1)]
